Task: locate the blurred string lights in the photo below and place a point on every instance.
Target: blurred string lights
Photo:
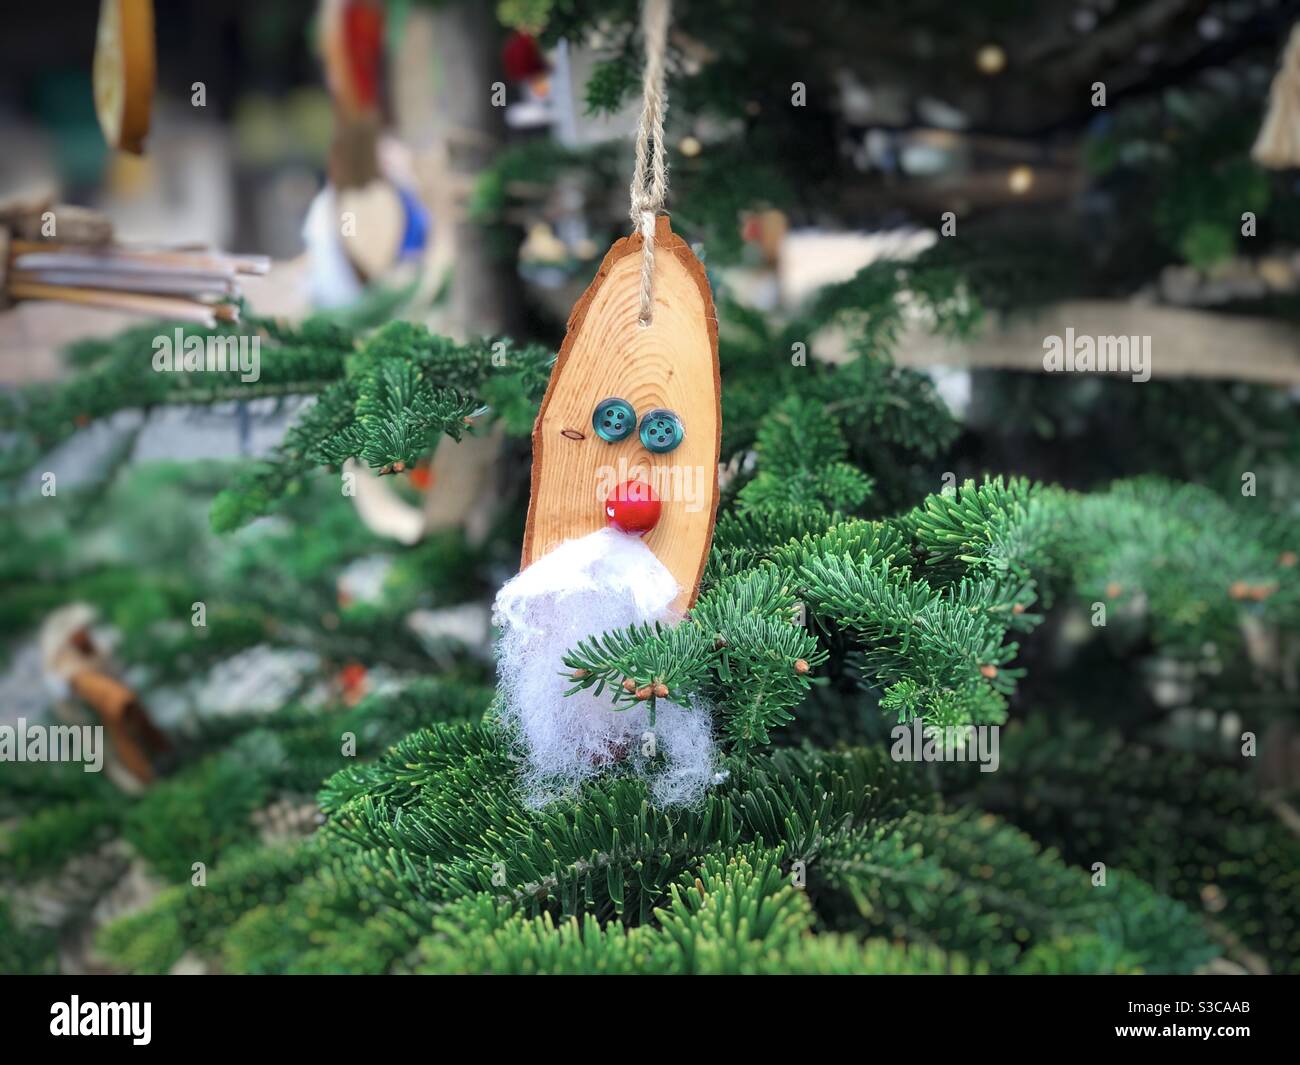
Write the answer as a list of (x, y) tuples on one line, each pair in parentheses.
[(1021, 179), (998, 134), (991, 59)]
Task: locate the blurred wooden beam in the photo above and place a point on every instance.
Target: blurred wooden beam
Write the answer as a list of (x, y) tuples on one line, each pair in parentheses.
[(1184, 343)]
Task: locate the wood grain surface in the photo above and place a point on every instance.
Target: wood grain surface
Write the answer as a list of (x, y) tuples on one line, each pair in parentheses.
[(124, 72), (671, 363)]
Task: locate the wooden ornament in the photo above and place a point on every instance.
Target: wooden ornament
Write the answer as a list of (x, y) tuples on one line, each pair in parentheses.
[(1278, 144), (124, 72), (672, 363), (133, 734), (72, 656), (461, 492), (373, 223), (463, 489), (383, 510), (108, 697), (352, 50), (354, 153)]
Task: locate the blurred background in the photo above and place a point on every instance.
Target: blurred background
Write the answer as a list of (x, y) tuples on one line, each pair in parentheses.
[(1014, 170)]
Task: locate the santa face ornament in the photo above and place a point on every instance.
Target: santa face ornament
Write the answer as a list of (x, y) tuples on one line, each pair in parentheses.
[(630, 428), (624, 493)]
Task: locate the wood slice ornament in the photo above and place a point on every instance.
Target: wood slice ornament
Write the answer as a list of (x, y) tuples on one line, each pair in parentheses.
[(460, 488), (1277, 145), (670, 364), (135, 737), (372, 214), (373, 221), (79, 666), (124, 72)]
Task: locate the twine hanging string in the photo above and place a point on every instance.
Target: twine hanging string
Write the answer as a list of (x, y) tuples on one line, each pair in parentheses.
[(650, 179)]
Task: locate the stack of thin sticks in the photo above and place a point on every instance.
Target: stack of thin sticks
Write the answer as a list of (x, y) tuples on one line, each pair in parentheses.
[(180, 284), (177, 284)]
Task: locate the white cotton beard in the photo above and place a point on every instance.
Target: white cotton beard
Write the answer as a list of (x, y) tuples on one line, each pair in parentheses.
[(601, 582)]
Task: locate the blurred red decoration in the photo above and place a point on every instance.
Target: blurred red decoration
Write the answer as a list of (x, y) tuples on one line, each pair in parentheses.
[(421, 477), (363, 32), (521, 58), (352, 679)]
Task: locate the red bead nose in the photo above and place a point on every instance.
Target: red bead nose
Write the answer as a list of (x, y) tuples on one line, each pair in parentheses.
[(632, 507)]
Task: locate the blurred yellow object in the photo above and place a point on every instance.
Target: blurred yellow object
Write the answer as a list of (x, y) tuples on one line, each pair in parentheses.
[(1277, 273), (541, 245), (1021, 179), (991, 59), (124, 72), (130, 176)]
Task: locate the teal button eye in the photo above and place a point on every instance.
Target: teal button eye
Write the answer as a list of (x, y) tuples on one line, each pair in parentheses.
[(661, 430), (613, 419)]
